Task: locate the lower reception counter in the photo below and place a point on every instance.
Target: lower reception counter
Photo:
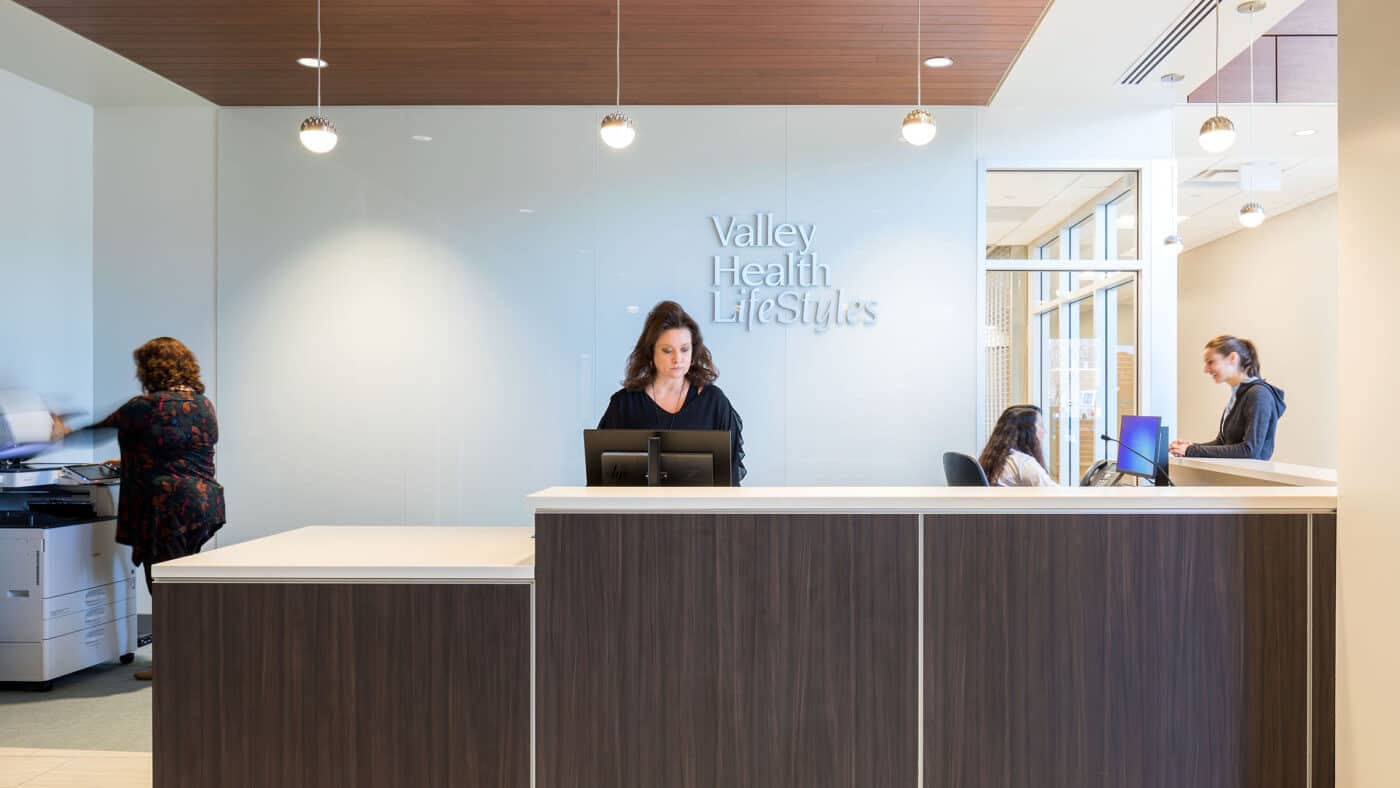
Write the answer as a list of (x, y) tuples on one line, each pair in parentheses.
[(775, 638), (336, 657)]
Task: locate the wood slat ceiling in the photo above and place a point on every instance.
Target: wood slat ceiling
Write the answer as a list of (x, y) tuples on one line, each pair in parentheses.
[(560, 52)]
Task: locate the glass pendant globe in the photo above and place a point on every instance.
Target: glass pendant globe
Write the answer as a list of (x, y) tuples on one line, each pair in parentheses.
[(617, 131), (1217, 134), (318, 134), (1252, 215), (919, 127)]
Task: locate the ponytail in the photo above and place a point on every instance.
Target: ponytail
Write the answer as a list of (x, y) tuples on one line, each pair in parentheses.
[(1249, 355)]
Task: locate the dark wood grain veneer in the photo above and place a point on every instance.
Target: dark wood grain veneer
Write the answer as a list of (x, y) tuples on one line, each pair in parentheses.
[(342, 686), (694, 651), (1153, 651)]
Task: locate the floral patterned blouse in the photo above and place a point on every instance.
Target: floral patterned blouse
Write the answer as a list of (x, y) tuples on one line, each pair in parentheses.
[(170, 504)]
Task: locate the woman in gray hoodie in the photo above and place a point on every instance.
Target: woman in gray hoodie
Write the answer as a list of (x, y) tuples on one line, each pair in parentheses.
[(1251, 416)]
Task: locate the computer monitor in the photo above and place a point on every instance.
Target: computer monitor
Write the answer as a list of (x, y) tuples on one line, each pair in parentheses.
[(1143, 434), (642, 458)]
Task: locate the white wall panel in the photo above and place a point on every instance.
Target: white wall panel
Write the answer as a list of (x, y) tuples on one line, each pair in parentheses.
[(417, 332), (46, 248)]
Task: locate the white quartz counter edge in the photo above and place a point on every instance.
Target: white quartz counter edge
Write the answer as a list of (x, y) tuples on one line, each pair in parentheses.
[(365, 554), (934, 499), (1263, 470)]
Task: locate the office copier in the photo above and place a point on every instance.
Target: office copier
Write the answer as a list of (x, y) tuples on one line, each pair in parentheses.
[(67, 589)]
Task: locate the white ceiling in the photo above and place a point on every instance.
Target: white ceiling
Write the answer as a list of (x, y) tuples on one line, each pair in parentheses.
[(1022, 206), (1309, 164), (1195, 57), (40, 51)]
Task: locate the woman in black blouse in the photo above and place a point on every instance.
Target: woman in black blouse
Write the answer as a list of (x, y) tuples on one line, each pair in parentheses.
[(670, 384)]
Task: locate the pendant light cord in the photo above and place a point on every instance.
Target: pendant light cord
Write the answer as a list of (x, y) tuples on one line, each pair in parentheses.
[(320, 64), (617, 56), (918, 56), (1217, 56), (1251, 68), (1248, 192)]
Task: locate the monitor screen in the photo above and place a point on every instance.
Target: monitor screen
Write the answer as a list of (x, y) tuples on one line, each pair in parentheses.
[(685, 458), (1140, 433)]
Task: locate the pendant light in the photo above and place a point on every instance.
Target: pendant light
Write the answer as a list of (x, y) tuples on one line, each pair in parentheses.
[(919, 126), (1252, 214), (1173, 244), (617, 130), (1218, 132), (317, 132)]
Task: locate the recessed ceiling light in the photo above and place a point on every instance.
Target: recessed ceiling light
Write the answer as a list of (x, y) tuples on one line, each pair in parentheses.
[(1173, 76), (421, 138), (1304, 132), (527, 210), (938, 61), (311, 62)]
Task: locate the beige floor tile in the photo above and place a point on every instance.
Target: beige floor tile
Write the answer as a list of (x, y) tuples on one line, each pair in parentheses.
[(60, 779), (91, 754), (38, 768), (19, 770)]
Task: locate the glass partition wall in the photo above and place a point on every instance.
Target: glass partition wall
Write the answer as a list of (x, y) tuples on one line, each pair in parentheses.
[(1062, 317)]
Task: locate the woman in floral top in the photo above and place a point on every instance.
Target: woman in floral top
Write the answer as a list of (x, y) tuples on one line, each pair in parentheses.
[(170, 504)]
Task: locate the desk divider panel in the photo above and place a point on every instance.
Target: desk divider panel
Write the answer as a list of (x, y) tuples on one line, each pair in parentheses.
[(744, 651), (1153, 651)]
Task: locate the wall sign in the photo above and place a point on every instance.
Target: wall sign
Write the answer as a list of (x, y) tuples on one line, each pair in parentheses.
[(771, 275)]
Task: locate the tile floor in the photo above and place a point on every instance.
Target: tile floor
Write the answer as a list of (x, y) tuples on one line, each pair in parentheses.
[(35, 768)]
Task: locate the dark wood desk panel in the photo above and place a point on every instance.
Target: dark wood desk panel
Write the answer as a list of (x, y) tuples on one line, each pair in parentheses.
[(266, 685), (744, 651), (1111, 650)]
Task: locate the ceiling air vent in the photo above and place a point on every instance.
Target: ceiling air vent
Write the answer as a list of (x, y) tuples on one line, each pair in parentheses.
[(1213, 178), (1196, 12)]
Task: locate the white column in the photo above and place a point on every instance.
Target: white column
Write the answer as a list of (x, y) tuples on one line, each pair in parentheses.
[(1368, 593)]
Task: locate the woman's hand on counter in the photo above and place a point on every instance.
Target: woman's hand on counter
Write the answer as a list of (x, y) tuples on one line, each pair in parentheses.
[(60, 428), (1178, 448)]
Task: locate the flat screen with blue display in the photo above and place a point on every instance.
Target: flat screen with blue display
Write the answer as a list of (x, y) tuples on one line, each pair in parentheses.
[(1140, 433)]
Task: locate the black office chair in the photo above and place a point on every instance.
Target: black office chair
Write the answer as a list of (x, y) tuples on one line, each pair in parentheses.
[(963, 471)]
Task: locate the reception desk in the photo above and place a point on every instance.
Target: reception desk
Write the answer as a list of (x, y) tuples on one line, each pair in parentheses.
[(768, 638), (332, 657), (1153, 638)]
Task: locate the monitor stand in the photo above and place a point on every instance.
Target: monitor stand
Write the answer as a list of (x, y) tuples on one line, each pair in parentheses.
[(654, 461)]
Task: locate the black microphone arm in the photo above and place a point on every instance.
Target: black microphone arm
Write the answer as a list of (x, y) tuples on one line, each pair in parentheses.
[(1163, 471)]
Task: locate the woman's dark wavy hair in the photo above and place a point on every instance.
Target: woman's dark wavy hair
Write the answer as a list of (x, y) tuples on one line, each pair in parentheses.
[(1225, 344), (164, 363), (662, 318), (1015, 429)]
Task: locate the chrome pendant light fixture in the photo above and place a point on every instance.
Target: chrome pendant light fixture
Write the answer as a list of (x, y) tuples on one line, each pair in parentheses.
[(919, 126), (317, 132), (1252, 213), (617, 130), (1218, 132)]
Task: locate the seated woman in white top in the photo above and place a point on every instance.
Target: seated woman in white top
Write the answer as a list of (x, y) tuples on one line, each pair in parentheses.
[(1013, 456)]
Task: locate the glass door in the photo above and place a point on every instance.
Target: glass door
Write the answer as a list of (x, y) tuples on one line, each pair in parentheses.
[(1086, 325)]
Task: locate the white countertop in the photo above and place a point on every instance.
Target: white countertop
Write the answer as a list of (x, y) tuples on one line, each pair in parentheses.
[(932, 499), (1263, 470), (361, 553)]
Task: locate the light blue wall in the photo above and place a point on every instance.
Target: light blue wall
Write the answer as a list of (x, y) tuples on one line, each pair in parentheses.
[(398, 342), (46, 295)]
